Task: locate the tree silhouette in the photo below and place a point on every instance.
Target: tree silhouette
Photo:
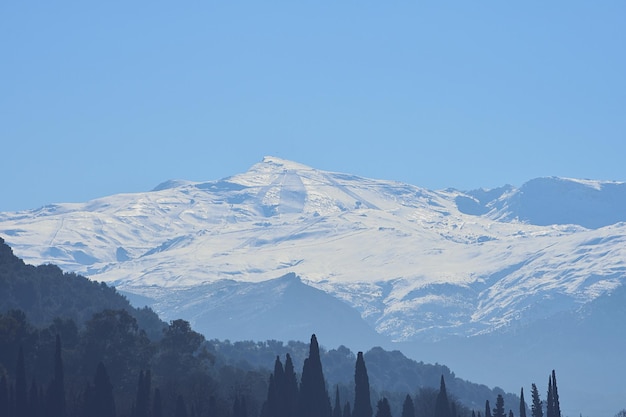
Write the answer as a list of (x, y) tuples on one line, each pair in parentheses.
[(382, 408), (537, 406), (362, 402), (442, 405), (313, 399), (408, 408)]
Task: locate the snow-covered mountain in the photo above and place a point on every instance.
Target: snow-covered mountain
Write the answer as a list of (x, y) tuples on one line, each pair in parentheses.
[(260, 252), (414, 263)]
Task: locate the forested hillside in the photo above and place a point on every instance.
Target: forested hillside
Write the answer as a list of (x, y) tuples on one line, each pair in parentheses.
[(72, 347)]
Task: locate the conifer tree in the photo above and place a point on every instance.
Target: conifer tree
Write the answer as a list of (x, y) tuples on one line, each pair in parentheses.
[(487, 409), (55, 405), (498, 411), (537, 406), (442, 405), (313, 398), (555, 396), (511, 413), (21, 395), (142, 402), (337, 408), (291, 388), (522, 404), (473, 413), (550, 400), (382, 408), (362, 402), (408, 408), (347, 412), (102, 402)]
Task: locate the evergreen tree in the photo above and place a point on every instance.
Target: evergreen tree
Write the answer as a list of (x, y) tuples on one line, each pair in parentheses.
[(21, 394), (487, 409), (313, 398), (537, 406), (383, 409), (362, 402), (442, 405), (498, 411), (291, 389), (408, 408), (347, 412), (550, 400), (55, 405), (102, 402), (511, 413), (157, 406), (555, 396), (142, 402), (337, 408), (522, 404), (473, 413)]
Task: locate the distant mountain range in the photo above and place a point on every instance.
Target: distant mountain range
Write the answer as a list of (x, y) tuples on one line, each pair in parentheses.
[(260, 253)]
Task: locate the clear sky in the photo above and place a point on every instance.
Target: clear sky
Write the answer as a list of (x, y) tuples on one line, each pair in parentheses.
[(99, 98)]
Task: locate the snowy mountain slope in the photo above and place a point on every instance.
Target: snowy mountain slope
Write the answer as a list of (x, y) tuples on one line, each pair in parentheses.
[(414, 263)]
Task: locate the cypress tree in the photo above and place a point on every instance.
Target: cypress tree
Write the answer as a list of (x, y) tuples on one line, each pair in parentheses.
[(142, 402), (313, 398), (511, 413), (382, 408), (102, 400), (522, 404), (56, 390), (537, 406), (473, 413), (498, 411), (362, 402), (291, 389), (347, 412), (555, 396), (442, 405), (550, 400), (487, 409), (337, 408), (21, 395), (408, 408)]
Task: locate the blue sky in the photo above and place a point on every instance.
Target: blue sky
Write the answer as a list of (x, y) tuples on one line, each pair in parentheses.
[(98, 98)]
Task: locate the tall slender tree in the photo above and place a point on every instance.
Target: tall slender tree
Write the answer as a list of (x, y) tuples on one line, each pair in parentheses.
[(555, 396), (102, 401), (487, 409), (142, 402), (55, 404), (550, 400), (347, 411), (313, 398), (408, 408), (362, 401), (537, 406), (34, 400), (522, 404), (291, 388), (21, 391), (442, 404), (337, 409)]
